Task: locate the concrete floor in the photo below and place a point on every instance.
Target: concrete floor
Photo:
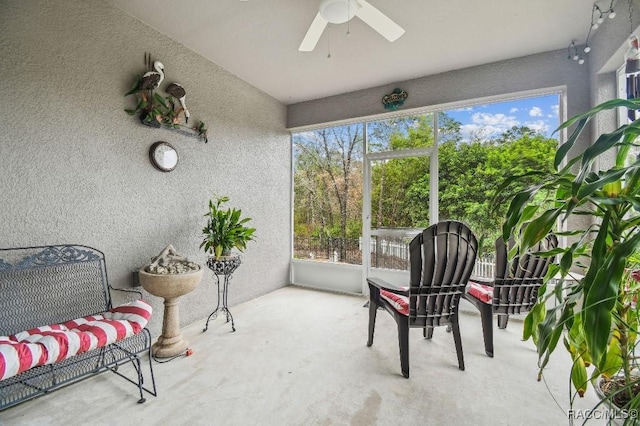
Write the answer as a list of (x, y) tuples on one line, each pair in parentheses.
[(299, 357)]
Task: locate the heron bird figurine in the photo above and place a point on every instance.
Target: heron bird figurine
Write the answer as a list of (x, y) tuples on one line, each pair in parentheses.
[(152, 79), (148, 83), (177, 91)]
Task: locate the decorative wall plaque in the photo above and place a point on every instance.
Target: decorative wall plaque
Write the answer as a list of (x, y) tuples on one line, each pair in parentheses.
[(395, 99), (157, 111)]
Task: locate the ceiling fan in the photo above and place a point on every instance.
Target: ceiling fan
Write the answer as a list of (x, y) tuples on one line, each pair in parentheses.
[(341, 11)]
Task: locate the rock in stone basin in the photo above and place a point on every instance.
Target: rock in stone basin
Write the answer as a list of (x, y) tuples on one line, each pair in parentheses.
[(170, 262)]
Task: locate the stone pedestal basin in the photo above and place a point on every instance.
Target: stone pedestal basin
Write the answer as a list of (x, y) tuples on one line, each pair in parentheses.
[(170, 287)]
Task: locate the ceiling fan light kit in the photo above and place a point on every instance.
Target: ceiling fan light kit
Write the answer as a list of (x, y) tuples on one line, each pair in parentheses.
[(338, 11), (341, 11)]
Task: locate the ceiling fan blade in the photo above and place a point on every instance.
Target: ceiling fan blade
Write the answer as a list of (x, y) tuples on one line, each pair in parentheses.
[(313, 34), (379, 21)]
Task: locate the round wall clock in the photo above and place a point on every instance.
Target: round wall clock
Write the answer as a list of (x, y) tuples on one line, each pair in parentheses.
[(163, 156)]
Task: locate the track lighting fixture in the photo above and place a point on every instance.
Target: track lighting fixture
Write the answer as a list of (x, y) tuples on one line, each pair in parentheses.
[(610, 13), (598, 16), (599, 19), (572, 53)]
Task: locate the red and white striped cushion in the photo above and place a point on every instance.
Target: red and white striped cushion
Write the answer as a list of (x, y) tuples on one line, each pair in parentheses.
[(69, 325), (24, 335), (56, 342), (482, 292), (137, 313), (399, 303)]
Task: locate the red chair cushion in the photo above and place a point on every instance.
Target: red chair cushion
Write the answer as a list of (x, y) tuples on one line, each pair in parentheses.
[(399, 303), (482, 292)]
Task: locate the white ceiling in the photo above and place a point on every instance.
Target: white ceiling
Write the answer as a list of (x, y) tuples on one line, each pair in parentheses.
[(258, 40)]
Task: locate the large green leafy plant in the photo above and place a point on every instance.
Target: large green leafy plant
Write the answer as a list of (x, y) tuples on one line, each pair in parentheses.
[(592, 315), (225, 229)]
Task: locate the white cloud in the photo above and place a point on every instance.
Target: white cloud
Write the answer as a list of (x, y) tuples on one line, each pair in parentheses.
[(535, 112), (513, 110), (486, 126), (555, 109), (497, 120), (538, 125)]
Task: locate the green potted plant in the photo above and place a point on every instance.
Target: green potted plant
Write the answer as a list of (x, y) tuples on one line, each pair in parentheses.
[(620, 383), (595, 315), (225, 229)]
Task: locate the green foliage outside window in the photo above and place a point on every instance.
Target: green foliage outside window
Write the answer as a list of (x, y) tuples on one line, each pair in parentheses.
[(328, 176)]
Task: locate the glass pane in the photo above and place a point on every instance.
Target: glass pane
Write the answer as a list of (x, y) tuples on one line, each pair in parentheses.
[(489, 121), (414, 131), (328, 194), (399, 208), (480, 146)]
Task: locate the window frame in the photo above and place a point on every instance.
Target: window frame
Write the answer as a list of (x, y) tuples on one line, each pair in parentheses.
[(560, 91)]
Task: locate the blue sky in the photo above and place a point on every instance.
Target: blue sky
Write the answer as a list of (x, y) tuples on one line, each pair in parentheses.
[(489, 120)]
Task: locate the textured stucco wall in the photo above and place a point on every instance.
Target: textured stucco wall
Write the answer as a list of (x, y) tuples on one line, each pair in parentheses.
[(541, 71), (74, 166)]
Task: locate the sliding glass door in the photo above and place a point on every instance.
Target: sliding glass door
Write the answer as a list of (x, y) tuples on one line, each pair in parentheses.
[(400, 193)]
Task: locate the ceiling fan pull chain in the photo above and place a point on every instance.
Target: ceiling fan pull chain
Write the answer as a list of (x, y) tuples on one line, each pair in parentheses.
[(630, 17), (329, 41), (348, 20)]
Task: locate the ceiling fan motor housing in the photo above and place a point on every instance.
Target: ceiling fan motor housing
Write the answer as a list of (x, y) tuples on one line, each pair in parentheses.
[(338, 11)]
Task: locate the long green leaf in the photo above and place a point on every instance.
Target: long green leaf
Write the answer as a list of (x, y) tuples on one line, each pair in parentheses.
[(582, 120), (598, 252), (601, 285), (538, 228), (605, 142), (514, 213), (160, 100), (605, 178), (600, 301), (634, 201), (134, 87), (611, 104), (564, 149)]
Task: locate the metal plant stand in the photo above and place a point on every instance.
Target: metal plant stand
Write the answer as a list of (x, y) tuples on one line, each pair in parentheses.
[(224, 266)]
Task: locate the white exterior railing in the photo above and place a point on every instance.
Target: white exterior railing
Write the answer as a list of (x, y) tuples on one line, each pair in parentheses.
[(390, 252), (484, 267)]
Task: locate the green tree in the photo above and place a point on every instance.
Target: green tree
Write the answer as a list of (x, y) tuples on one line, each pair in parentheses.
[(471, 173), (328, 170), (328, 175), (393, 178)]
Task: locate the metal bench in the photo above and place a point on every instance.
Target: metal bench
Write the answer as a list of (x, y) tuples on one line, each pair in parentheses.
[(51, 285)]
